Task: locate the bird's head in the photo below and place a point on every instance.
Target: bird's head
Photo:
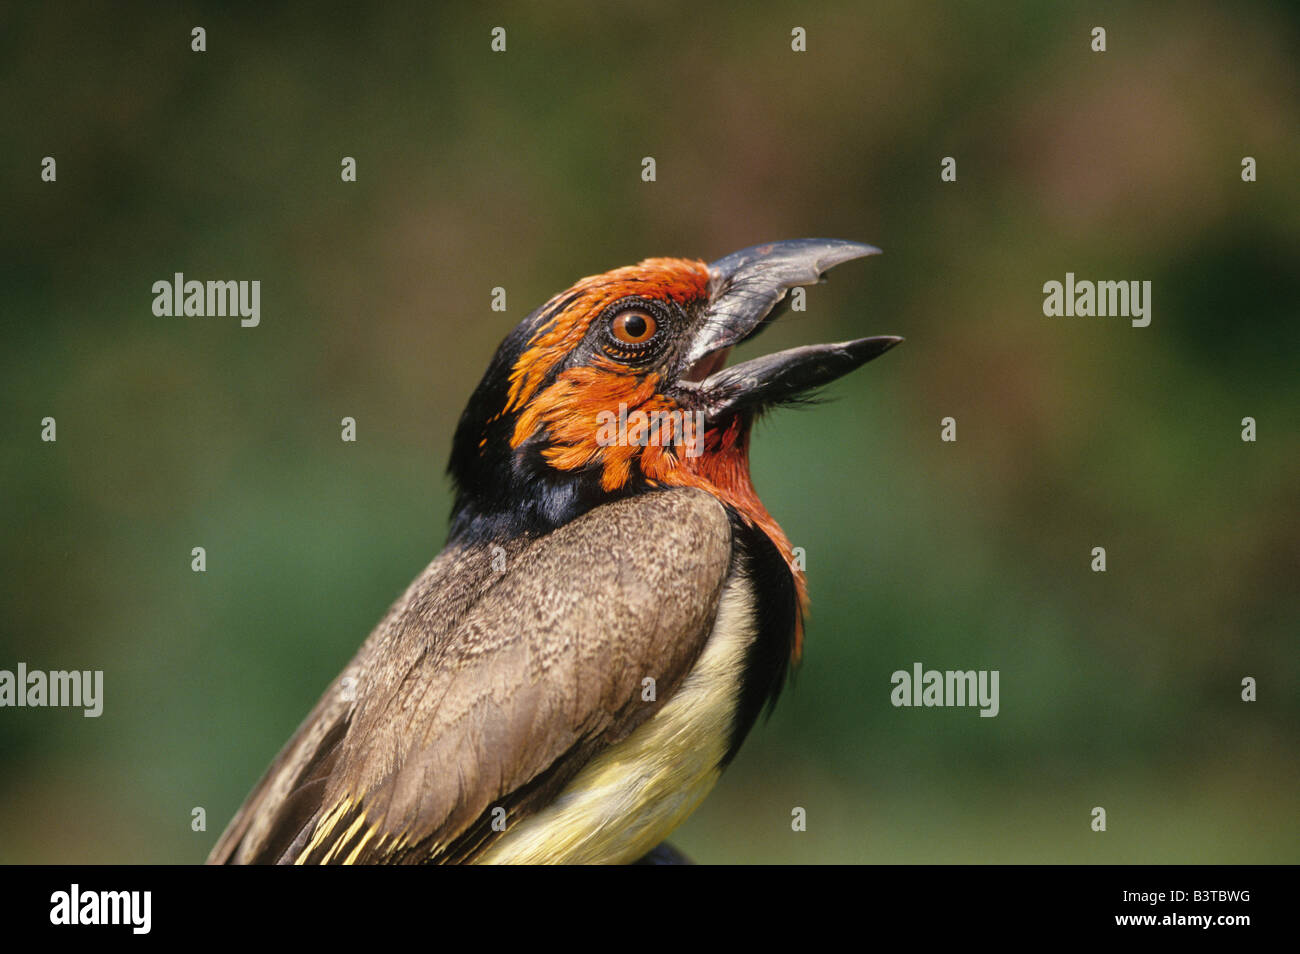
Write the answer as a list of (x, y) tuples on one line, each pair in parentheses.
[(618, 386)]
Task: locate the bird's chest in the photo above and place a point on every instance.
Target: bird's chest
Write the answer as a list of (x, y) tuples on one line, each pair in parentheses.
[(635, 793)]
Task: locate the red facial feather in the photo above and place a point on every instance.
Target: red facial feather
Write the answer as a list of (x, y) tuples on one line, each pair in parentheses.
[(667, 279)]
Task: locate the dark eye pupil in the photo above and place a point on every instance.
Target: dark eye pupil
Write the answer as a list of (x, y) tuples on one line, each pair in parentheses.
[(634, 325)]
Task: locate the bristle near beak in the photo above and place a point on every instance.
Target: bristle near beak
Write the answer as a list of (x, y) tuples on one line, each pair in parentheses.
[(706, 366)]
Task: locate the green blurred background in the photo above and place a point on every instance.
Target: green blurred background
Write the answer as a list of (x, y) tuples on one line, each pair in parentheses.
[(522, 170)]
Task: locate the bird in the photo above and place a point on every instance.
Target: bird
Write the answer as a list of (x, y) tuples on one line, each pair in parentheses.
[(613, 609)]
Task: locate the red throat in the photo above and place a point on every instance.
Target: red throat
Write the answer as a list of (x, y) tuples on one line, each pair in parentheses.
[(723, 470)]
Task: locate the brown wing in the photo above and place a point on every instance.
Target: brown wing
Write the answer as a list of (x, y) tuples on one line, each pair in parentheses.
[(487, 689)]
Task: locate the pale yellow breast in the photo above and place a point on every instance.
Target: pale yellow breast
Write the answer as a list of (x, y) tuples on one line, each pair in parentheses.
[(631, 797)]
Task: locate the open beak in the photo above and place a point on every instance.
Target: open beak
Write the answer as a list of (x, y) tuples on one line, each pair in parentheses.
[(746, 289)]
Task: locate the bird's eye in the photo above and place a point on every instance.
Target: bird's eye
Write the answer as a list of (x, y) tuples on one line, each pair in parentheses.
[(633, 327), (635, 330)]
